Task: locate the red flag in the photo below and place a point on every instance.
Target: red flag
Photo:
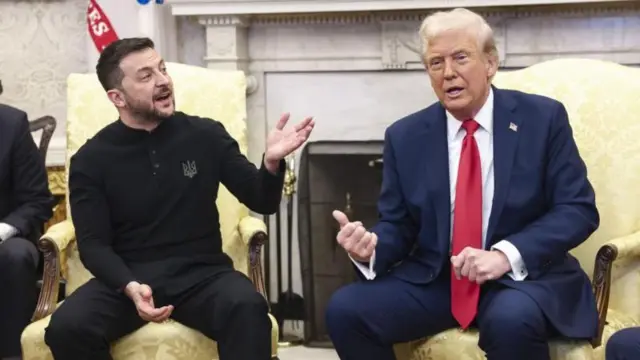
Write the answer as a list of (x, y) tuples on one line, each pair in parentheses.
[(99, 26)]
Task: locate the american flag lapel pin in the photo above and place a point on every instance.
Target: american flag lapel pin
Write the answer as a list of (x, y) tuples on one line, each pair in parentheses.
[(513, 127)]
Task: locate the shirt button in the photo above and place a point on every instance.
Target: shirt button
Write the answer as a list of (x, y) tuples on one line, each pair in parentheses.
[(156, 165), (153, 152)]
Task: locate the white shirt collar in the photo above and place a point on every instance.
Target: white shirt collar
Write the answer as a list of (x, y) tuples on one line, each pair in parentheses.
[(484, 118)]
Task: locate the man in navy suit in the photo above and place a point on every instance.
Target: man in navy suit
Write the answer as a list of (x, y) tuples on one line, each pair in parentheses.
[(483, 195), (25, 205)]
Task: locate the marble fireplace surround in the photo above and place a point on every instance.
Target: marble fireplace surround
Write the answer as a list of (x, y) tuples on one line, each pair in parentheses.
[(354, 65)]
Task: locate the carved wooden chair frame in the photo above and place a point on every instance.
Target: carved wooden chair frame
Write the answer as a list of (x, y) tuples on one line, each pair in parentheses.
[(48, 125)]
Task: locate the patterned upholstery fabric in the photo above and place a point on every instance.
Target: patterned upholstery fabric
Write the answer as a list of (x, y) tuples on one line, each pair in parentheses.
[(220, 95), (602, 101)]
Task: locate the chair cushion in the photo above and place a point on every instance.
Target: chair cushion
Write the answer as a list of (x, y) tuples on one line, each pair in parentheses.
[(167, 341), (455, 344)]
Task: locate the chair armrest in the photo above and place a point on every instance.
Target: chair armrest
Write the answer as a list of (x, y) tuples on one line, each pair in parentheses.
[(62, 234), (52, 244), (253, 232), (249, 227), (622, 248)]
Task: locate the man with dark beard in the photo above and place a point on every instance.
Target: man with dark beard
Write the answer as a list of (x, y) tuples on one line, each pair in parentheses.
[(142, 196)]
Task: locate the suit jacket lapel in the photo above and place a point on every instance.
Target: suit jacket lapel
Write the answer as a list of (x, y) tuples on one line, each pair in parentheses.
[(436, 154), (506, 124)]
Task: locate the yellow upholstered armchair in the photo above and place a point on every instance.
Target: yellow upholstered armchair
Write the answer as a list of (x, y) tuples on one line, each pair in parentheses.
[(603, 102), (219, 95)]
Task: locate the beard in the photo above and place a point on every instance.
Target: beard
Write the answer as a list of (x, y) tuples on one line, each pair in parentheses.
[(147, 111)]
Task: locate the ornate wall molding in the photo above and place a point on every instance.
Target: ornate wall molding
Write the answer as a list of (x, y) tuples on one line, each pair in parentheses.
[(227, 44), (371, 41), (417, 15), (246, 7), (366, 42), (224, 20)]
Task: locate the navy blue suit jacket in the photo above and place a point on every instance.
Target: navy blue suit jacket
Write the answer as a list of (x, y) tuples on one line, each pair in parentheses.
[(26, 202), (543, 203)]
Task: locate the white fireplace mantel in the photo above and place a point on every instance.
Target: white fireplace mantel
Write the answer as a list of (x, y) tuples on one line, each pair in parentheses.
[(259, 7)]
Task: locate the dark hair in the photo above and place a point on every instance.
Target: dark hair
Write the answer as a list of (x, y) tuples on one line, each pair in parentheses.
[(1, 89), (108, 68)]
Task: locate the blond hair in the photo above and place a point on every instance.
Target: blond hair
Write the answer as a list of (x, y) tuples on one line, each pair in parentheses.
[(458, 19)]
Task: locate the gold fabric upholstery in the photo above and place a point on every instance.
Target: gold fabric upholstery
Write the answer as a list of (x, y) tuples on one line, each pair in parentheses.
[(219, 95), (602, 101)]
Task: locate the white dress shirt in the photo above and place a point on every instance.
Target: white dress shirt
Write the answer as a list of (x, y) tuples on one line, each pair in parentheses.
[(484, 138), (7, 231)]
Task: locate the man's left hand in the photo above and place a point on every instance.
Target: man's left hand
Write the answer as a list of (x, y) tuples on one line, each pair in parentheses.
[(282, 142), (480, 265)]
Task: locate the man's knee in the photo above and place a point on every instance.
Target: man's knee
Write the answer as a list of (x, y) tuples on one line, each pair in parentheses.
[(513, 316), (624, 344), (18, 254), (247, 304), (65, 324), (342, 311)]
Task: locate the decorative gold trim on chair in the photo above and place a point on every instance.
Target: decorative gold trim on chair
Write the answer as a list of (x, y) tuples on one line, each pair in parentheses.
[(58, 187)]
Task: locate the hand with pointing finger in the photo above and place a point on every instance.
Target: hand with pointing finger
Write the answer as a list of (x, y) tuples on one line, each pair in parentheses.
[(354, 238)]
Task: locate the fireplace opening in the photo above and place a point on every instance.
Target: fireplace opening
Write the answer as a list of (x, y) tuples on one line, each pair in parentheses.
[(333, 175)]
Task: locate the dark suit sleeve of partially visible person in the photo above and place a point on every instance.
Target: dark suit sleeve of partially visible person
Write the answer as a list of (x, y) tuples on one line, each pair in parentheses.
[(94, 234), (395, 229), (34, 202), (258, 189), (572, 215)]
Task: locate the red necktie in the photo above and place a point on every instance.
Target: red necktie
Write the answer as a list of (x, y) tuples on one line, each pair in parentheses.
[(467, 224)]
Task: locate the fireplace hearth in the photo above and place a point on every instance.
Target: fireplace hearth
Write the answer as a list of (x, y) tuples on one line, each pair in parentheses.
[(334, 175)]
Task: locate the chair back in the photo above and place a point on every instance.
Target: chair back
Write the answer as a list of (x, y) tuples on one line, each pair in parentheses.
[(48, 125), (219, 95), (603, 103)]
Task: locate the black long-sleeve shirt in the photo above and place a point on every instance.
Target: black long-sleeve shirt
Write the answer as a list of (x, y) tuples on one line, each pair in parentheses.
[(140, 197)]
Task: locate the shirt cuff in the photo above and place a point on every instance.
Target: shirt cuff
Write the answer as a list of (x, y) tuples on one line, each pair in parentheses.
[(367, 272), (518, 268), (7, 231)]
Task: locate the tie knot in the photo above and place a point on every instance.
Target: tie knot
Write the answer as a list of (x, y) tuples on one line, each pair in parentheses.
[(470, 126)]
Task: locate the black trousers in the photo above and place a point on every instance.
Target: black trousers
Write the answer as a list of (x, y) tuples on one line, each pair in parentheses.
[(225, 307), (18, 275)]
